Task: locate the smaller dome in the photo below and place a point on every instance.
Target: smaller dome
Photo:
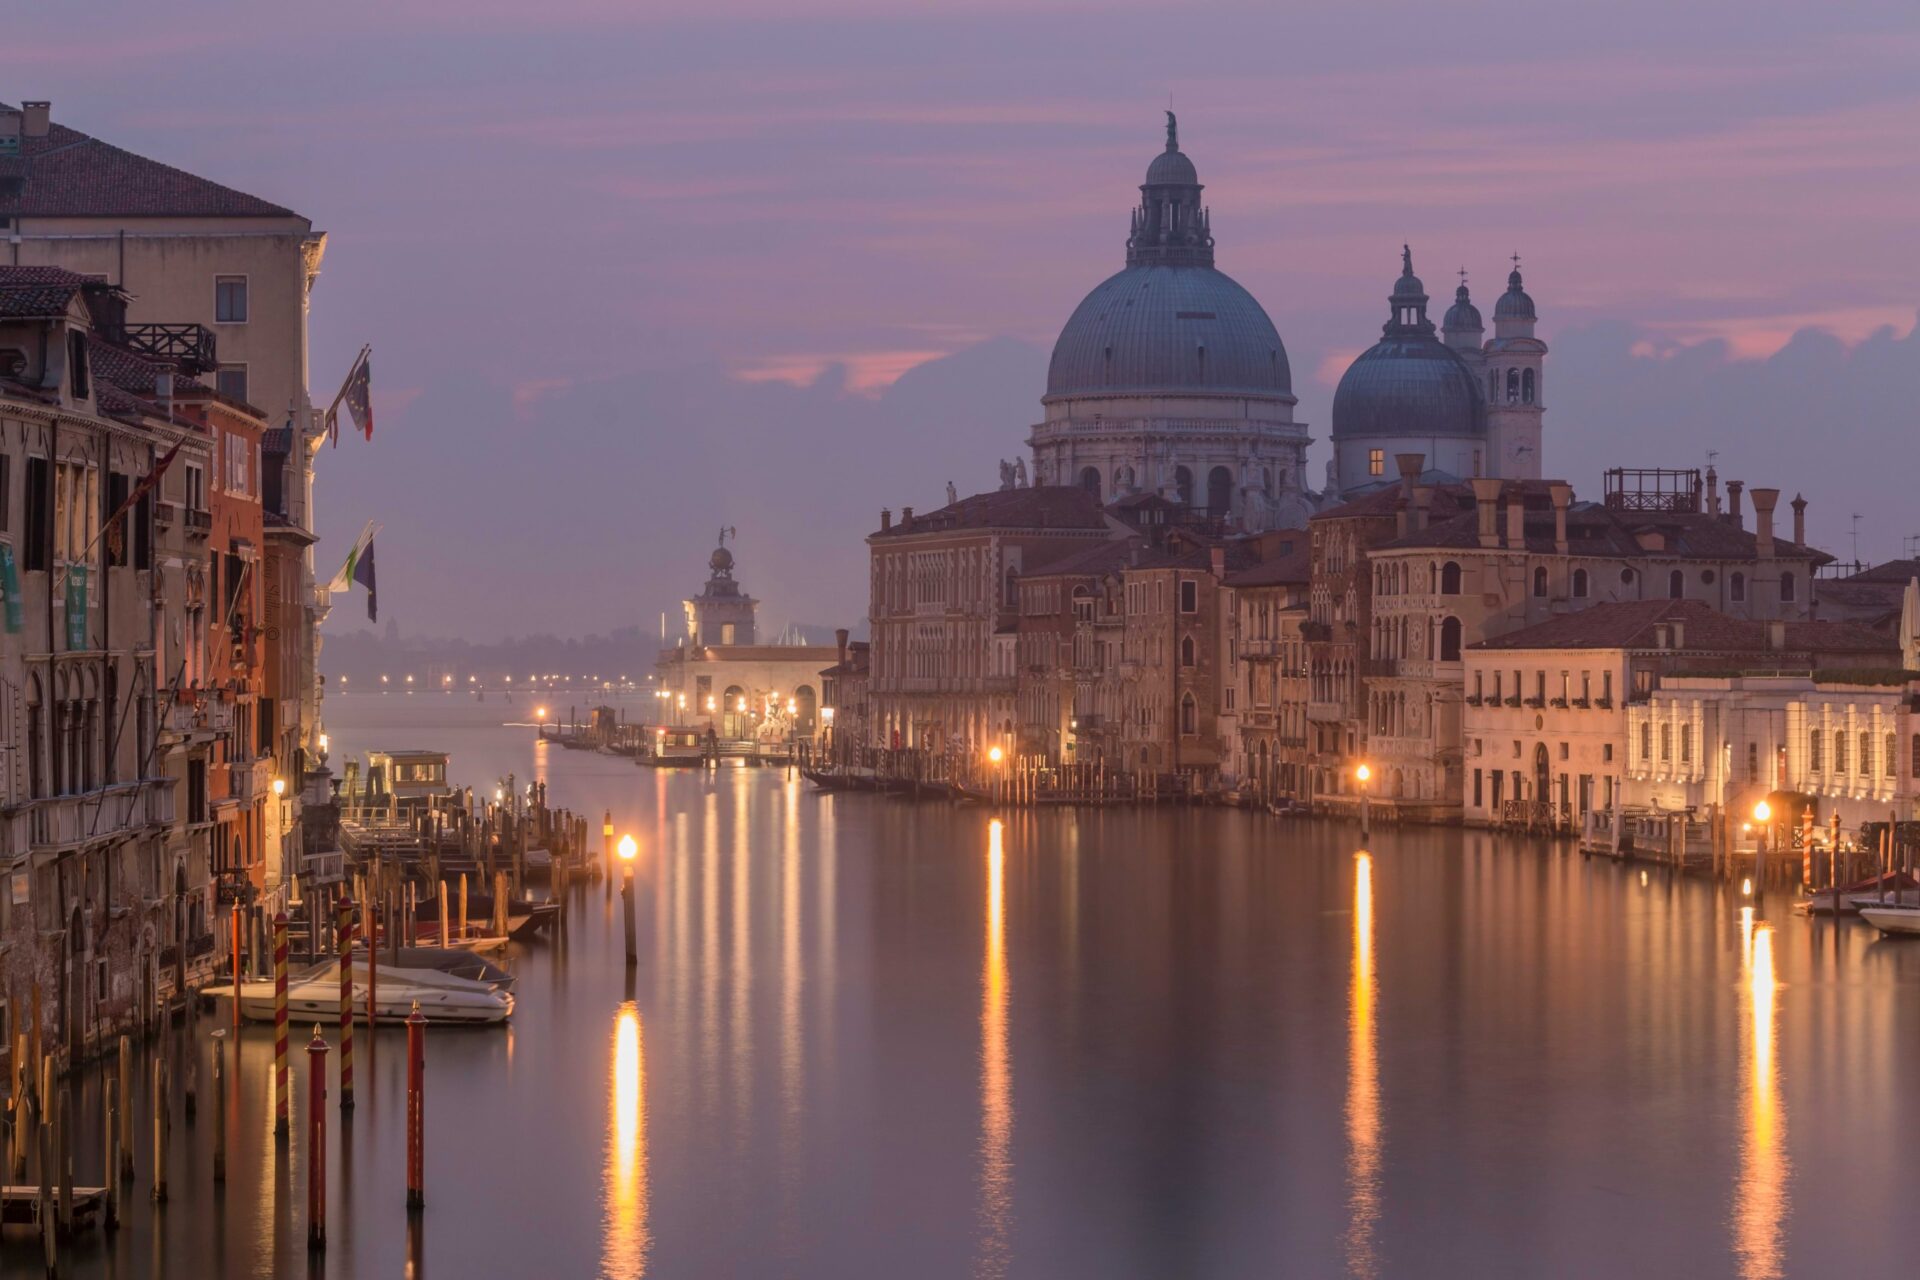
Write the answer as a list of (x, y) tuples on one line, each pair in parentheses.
[(721, 561), (1514, 304), (1172, 168), (1462, 314)]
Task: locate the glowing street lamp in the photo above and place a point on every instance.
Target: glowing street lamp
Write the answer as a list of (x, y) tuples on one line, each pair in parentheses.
[(279, 787), (995, 754), (1763, 818), (628, 848), (1362, 773)]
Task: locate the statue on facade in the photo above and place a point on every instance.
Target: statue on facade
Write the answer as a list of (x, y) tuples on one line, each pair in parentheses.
[(1019, 473), (1006, 474), (953, 494)]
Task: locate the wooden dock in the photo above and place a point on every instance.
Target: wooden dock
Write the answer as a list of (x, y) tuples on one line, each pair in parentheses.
[(20, 1206)]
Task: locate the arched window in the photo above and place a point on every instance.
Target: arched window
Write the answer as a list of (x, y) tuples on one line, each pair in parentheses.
[(1186, 651), (1493, 385), (1913, 765), (1579, 584), (1513, 386), (1183, 485), (1219, 492), (37, 736), (1540, 581), (1892, 765), (1786, 588), (1189, 714), (1450, 640), (1010, 597), (1090, 480), (1676, 585), (1839, 750), (1737, 587), (1526, 387), (1646, 740), (1450, 578)]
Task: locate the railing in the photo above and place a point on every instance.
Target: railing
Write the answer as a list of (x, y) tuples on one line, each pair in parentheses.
[(249, 782), (59, 821), (199, 521), (211, 716), (165, 513), (191, 346), (324, 868)]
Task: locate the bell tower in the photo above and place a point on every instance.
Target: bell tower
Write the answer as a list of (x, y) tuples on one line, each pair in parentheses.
[(1515, 369), (721, 614)]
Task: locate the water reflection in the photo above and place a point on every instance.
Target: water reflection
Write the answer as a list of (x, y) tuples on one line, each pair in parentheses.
[(627, 1238), (996, 1073), (1363, 1083), (1760, 1197)]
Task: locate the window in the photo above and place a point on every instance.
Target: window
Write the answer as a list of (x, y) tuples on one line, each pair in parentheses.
[(1579, 584), (115, 541), (6, 490), (1676, 585), (1376, 462), (239, 452), (1646, 742), (1786, 588), (196, 488), (1753, 762), (231, 382), (1892, 765), (1526, 386), (1450, 579), (1737, 588), (1666, 742), (1866, 755), (1189, 714), (1606, 752), (1189, 596), (1626, 577), (1839, 750), (1818, 739), (1450, 640), (77, 360), (230, 299), (1913, 765), (1686, 744), (1606, 685), (1540, 581), (1186, 651), (1090, 480), (1564, 751)]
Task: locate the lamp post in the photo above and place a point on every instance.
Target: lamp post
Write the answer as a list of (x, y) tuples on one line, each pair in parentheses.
[(628, 848), (1361, 773), (1763, 818), (994, 757)]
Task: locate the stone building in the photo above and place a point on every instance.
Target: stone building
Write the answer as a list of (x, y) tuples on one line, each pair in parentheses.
[(1269, 602), (845, 704), (1551, 709), (106, 908), (944, 607), (1170, 379), (716, 677), (213, 275)]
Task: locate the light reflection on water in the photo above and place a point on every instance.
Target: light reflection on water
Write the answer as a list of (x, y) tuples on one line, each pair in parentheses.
[(1242, 1050)]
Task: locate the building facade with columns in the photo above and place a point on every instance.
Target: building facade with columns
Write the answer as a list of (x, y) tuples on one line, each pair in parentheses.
[(1170, 379)]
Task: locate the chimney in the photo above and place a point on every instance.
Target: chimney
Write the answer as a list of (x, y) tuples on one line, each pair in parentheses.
[(9, 132), (906, 517), (1411, 465), (1799, 520), (35, 118), (1713, 492), (1562, 495), (1734, 515), (1679, 634), (1764, 501), (886, 519), (1422, 500), (840, 642), (1516, 518), (1219, 562), (1486, 492)]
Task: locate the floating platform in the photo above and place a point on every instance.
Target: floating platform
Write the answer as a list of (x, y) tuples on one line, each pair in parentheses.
[(20, 1206)]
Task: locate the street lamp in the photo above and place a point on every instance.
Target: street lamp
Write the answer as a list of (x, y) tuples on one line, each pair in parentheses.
[(1362, 773), (1763, 817), (628, 848), (279, 787)]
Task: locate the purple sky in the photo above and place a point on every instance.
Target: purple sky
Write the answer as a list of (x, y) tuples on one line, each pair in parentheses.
[(633, 272)]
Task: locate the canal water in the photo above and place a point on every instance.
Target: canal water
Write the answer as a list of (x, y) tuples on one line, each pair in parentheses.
[(873, 1038)]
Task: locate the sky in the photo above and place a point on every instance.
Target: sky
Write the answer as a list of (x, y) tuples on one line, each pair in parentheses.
[(634, 272)]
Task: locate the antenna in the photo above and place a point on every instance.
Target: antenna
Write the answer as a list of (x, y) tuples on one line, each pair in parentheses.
[(1856, 538)]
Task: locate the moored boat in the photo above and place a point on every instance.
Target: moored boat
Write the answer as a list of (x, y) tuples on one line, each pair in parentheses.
[(1891, 920), (315, 993)]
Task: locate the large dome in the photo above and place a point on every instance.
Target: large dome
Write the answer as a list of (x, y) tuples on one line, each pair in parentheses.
[(1169, 329), (1408, 386)]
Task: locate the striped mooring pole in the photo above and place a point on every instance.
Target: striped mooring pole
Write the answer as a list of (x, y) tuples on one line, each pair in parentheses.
[(282, 1085), (316, 1141), (346, 1004), (416, 1108)]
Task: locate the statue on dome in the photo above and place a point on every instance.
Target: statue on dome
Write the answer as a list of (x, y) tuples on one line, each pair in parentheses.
[(1006, 474), (1019, 473), (953, 495)]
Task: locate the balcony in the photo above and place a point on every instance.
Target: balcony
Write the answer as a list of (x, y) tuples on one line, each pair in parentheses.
[(211, 718), (249, 783), (199, 522), (164, 514), (1327, 712), (64, 822), (190, 346)]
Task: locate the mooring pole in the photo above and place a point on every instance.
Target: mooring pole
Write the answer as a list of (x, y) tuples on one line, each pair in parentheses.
[(416, 1108), (236, 966), (316, 1141), (626, 899), (123, 1170), (346, 1004), (112, 1178), (282, 1086), (160, 1131), (219, 1105)]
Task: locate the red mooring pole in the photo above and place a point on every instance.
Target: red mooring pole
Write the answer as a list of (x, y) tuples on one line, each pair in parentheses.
[(316, 1141), (236, 968), (416, 1108), (346, 1004)]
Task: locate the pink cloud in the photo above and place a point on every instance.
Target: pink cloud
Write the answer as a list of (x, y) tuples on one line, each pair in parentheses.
[(530, 391), (868, 372)]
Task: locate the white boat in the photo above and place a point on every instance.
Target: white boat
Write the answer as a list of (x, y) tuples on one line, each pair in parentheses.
[(1896, 898), (315, 994), (1891, 919)]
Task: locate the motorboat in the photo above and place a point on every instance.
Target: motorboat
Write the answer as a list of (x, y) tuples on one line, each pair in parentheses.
[(315, 993), (472, 944), (1850, 897), (1891, 919), (1894, 898), (462, 962)]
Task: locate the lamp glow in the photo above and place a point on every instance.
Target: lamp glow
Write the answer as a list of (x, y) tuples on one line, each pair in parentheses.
[(1762, 811), (995, 754), (279, 786), (628, 848), (1363, 773)]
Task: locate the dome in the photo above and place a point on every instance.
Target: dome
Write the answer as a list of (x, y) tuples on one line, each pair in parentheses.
[(1169, 329), (1408, 385), (1172, 168), (721, 561), (1462, 314), (1514, 304)]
